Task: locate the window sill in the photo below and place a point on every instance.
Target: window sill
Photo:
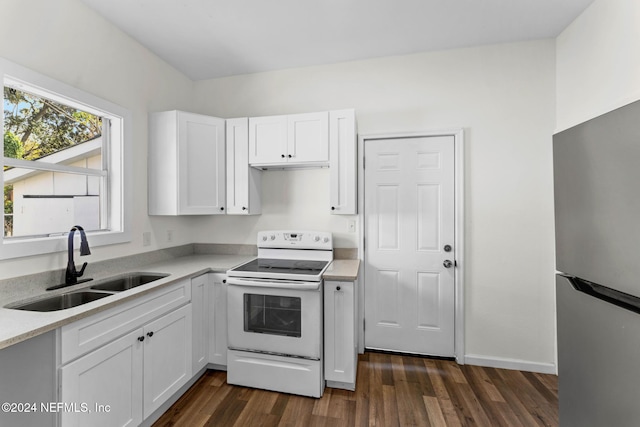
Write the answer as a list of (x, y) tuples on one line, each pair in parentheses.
[(10, 249)]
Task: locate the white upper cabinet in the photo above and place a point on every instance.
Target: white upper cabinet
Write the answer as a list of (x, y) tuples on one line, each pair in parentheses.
[(243, 182), (186, 164), (267, 140), (308, 138), (293, 140), (343, 162)]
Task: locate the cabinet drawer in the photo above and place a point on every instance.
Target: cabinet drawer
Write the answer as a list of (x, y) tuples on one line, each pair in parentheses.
[(94, 331)]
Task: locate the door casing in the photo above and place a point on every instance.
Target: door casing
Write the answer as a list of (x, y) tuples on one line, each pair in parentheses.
[(458, 135)]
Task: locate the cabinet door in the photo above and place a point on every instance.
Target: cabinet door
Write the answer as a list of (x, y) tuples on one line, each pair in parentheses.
[(243, 182), (343, 162), (200, 315), (308, 138), (340, 350), (201, 163), (162, 164), (267, 140), (218, 316), (111, 375), (167, 357)]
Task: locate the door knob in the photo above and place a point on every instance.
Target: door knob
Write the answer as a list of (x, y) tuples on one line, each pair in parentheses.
[(447, 263)]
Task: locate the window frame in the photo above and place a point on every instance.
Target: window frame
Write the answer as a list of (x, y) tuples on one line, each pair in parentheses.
[(116, 160)]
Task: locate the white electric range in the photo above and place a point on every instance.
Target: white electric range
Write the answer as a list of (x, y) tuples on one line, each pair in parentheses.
[(275, 314)]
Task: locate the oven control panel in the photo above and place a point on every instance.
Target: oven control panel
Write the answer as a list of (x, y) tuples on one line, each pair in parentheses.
[(318, 240)]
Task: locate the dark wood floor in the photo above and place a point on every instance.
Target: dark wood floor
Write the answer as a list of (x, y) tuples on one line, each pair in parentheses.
[(392, 390)]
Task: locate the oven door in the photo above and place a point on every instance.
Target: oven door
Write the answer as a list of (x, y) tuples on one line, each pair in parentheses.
[(275, 316)]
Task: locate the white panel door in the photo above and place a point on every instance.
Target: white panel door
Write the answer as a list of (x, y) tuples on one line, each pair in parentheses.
[(409, 217)]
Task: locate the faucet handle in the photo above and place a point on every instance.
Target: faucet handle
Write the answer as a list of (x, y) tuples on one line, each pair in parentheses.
[(81, 272)]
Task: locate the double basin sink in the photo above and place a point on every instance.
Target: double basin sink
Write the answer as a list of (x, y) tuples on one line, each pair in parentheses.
[(101, 289)]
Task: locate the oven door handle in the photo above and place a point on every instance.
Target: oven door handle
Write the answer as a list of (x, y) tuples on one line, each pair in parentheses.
[(272, 283)]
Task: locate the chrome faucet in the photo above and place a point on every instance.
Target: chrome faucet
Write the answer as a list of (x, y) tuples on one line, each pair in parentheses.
[(71, 276)]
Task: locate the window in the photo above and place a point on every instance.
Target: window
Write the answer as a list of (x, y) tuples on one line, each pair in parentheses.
[(64, 164)]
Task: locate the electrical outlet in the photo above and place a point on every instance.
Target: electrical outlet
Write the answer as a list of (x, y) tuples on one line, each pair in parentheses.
[(146, 238), (169, 235), (352, 226)]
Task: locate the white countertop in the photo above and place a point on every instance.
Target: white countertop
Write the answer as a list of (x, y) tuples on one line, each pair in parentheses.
[(342, 269), (20, 325)]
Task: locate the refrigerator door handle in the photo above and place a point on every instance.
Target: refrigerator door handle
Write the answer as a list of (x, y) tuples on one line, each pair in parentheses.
[(620, 299)]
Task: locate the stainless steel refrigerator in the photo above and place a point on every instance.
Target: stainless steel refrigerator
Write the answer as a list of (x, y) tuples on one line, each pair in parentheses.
[(597, 214)]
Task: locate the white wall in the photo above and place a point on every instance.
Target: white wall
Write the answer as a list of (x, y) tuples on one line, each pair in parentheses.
[(598, 65), (65, 40), (504, 98)]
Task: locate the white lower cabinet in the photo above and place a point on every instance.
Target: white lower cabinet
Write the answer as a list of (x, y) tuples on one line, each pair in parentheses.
[(340, 343), (200, 313), (217, 299), (111, 375), (167, 357), (123, 381)]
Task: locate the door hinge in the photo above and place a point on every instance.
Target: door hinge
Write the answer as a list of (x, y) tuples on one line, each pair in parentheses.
[(364, 244), (364, 324), (364, 163)]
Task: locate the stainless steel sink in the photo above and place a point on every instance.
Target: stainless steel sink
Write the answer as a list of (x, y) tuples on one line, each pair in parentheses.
[(100, 290), (127, 281), (61, 302)]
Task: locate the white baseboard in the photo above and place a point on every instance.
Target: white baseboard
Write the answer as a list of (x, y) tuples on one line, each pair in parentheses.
[(502, 363)]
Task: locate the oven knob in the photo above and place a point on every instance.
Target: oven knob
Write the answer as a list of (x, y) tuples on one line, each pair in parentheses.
[(317, 238), (326, 239), (264, 238), (273, 237)]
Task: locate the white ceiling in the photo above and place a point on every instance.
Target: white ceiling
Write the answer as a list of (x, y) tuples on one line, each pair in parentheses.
[(214, 38)]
